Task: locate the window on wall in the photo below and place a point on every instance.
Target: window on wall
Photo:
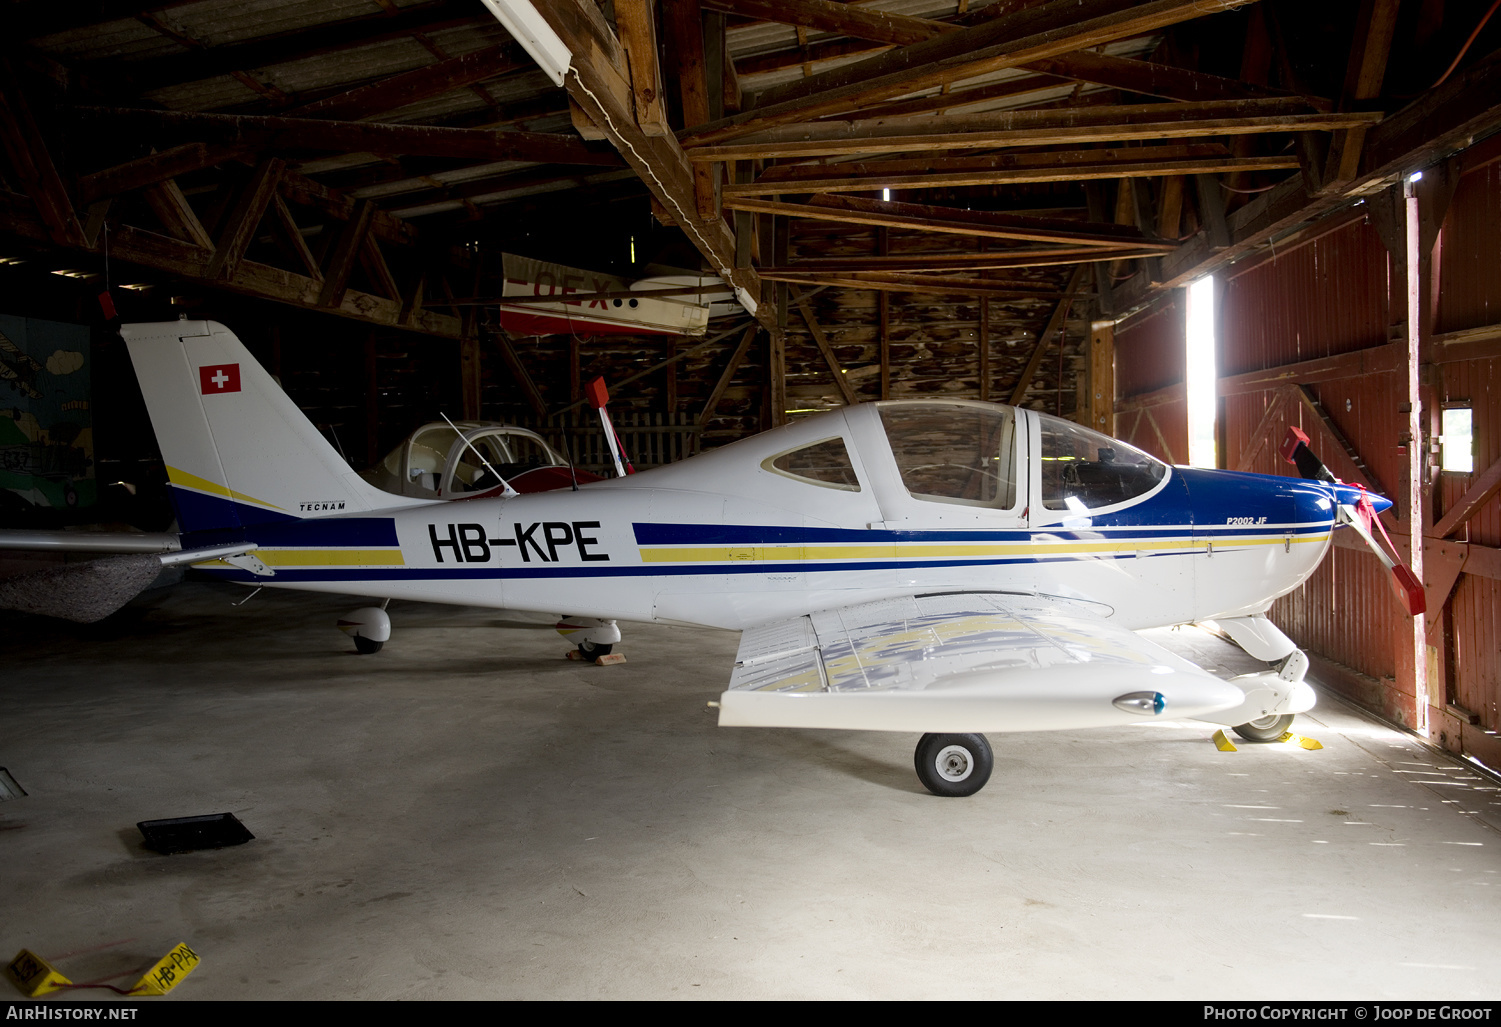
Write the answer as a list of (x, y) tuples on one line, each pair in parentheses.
[(1457, 452), (1200, 375)]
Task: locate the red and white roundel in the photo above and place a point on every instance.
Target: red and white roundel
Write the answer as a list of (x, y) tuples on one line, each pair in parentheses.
[(215, 378)]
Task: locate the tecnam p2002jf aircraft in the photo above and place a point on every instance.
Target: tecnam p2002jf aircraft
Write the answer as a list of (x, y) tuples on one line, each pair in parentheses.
[(944, 566)]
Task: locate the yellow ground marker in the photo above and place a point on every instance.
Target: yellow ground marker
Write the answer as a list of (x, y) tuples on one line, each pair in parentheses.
[(34, 975), (168, 972), (1308, 743)]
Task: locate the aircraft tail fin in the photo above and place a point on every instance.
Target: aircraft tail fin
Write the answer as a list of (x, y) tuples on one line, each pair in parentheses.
[(238, 451)]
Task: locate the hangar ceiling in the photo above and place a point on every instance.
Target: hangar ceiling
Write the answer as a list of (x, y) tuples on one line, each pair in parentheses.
[(978, 178)]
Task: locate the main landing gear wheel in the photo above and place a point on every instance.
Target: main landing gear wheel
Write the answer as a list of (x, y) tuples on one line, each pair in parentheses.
[(592, 651), (1265, 729), (367, 645), (953, 765)]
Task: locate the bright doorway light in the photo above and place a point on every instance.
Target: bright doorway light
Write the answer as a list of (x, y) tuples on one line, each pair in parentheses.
[(885, 194), (1200, 374)]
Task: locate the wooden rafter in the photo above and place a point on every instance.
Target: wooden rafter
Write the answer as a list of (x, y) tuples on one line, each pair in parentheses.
[(278, 133), (638, 34), (1045, 337), (1062, 166), (414, 86), (1486, 485), (176, 214), (1035, 128), (241, 224), (1006, 42), (845, 19), (737, 357), (1466, 106), (1370, 47), (949, 221), (320, 41), (914, 283), (994, 260), (1160, 80), (596, 82), (31, 160), (186, 260), (345, 254), (846, 391), (148, 170)]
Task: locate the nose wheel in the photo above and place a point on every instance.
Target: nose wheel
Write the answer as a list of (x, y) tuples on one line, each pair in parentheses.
[(1265, 729), (953, 765)]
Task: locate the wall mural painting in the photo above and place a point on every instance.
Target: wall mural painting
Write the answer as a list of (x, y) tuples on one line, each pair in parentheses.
[(46, 426)]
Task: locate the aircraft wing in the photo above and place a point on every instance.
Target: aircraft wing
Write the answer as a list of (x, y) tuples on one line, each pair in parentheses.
[(961, 663)]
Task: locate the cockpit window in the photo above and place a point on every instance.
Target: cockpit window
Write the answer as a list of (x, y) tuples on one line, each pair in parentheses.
[(825, 463), (955, 452), (1084, 470)]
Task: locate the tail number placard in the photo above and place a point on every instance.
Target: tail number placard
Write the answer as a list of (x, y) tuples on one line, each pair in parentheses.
[(544, 541)]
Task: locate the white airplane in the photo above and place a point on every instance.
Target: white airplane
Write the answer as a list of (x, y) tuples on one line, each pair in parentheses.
[(945, 567)]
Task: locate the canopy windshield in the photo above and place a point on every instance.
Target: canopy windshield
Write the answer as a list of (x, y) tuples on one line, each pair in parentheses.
[(1084, 470)]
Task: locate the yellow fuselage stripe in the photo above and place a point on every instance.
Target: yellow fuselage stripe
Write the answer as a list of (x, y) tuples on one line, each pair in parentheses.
[(913, 550)]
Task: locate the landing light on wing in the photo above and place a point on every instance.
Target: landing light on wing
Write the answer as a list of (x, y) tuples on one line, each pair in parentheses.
[(1146, 703)]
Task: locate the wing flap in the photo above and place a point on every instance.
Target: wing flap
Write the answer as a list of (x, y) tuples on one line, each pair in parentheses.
[(975, 662)]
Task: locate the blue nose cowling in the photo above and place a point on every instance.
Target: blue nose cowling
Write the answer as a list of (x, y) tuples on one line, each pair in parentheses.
[(1349, 495)]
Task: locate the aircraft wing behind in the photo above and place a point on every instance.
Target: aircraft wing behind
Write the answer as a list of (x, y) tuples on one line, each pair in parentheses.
[(961, 663)]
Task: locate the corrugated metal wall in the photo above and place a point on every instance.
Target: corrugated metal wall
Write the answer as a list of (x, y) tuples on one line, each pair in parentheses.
[(1334, 292), (1326, 296), (1149, 362)]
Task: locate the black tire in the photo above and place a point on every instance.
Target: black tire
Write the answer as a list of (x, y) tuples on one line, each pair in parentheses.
[(1265, 729), (367, 645), (592, 651), (953, 765)]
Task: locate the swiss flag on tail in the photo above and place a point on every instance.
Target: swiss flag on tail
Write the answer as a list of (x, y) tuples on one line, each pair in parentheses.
[(216, 378)]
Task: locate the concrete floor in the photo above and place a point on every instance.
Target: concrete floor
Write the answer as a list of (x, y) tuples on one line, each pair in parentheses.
[(468, 816)]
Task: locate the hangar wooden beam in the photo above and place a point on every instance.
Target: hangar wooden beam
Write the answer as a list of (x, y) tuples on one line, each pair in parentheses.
[(148, 170), (1045, 337), (914, 283), (598, 81), (1440, 122), (176, 257), (1006, 42), (859, 210), (845, 19), (1035, 128), (951, 172), (281, 133), (414, 86), (846, 390), (993, 260), (945, 101), (211, 61), (1160, 80), (637, 25)]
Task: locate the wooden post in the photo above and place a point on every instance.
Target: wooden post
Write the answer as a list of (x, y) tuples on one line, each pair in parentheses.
[(883, 302), (469, 376), (1102, 376), (372, 401)]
